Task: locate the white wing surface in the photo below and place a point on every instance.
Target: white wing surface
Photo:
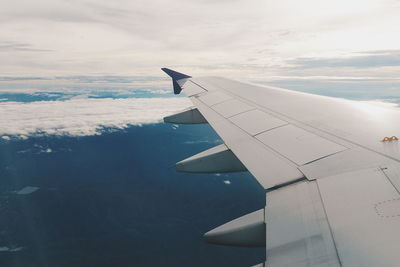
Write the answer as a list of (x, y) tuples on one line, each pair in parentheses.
[(330, 168)]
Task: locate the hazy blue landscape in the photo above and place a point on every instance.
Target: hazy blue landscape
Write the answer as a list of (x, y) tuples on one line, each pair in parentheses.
[(115, 199)]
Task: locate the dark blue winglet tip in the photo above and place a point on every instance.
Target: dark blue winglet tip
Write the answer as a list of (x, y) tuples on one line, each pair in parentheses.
[(176, 76)]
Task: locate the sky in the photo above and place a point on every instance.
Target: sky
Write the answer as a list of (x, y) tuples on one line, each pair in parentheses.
[(259, 38), (66, 50)]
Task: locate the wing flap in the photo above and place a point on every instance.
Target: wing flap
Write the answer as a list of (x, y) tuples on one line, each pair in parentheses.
[(298, 232)]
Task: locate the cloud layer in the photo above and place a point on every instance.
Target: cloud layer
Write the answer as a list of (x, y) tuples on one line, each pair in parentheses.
[(80, 117)]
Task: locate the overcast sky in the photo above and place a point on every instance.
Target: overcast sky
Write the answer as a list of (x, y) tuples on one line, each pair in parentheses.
[(258, 38)]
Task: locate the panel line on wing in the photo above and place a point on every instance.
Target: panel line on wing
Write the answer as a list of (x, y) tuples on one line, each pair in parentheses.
[(191, 89), (256, 121), (213, 98), (231, 108), (270, 129), (392, 174), (198, 85), (298, 145), (329, 225)]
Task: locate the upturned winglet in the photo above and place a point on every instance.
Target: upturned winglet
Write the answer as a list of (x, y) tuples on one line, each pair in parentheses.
[(176, 77)]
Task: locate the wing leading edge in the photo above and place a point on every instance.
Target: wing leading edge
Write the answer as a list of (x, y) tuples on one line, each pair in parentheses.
[(332, 186)]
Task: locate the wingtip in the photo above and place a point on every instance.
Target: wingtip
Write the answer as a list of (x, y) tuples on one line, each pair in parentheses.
[(174, 74)]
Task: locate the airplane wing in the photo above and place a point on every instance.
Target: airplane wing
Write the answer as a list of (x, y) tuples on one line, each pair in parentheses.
[(330, 168)]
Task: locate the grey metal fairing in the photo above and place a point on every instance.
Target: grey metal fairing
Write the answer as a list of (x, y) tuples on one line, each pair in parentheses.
[(188, 116), (247, 231), (219, 159)]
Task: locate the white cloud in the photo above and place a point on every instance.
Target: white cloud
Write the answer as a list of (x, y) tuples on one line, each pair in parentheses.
[(27, 190), (8, 249), (5, 137), (202, 142), (80, 117)]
